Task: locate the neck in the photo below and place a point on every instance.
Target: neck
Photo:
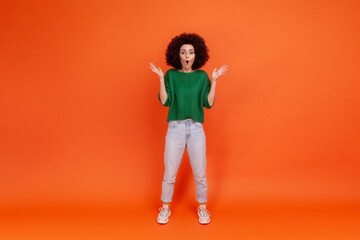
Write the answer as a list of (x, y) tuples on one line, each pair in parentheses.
[(186, 70)]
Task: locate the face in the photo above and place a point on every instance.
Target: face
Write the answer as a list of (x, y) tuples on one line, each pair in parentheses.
[(187, 56)]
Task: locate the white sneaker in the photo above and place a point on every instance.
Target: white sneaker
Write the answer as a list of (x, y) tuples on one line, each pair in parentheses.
[(164, 214), (204, 214)]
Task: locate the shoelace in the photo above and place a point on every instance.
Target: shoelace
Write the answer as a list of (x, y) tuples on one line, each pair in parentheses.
[(203, 212), (164, 211)]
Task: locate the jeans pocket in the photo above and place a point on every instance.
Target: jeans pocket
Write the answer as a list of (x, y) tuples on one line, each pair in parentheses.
[(172, 124), (198, 125)]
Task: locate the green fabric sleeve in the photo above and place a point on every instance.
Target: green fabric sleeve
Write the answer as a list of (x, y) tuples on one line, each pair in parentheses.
[(207, 90), (168, 92)]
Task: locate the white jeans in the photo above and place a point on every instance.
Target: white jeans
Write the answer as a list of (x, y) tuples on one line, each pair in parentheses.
[(191, 134)]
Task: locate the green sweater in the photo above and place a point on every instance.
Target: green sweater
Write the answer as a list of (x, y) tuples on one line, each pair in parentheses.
[(187, 94)]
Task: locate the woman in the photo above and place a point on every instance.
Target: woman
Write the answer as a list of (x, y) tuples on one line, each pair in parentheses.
[(186, 90)]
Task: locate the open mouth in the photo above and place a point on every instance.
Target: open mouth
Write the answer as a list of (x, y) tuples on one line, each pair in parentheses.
[(187, 61)]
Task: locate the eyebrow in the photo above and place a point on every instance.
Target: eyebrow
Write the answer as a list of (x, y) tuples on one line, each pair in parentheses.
[(185, 49)]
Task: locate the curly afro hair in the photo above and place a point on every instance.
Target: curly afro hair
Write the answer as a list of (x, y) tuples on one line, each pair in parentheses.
[(173, 50)]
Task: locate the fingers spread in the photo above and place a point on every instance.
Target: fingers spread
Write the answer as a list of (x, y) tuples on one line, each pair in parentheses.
[(224, 67)]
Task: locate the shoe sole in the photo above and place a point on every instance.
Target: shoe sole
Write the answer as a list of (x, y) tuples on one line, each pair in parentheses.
[(205, 222), (162, 223)]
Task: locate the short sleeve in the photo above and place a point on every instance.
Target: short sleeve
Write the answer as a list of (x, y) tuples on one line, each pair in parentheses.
[(207, 86), (168, 91)]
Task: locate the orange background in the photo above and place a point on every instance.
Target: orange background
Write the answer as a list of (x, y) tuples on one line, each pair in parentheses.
[(81, 123)]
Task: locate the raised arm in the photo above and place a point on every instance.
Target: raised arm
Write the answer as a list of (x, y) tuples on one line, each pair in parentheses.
[(159, 72), (214, 77)]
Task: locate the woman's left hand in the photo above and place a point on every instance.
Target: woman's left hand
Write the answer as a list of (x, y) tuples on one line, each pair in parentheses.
[(216, 74)]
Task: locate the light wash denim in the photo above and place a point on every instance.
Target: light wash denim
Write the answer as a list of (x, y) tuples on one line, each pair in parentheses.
[(191, 134)]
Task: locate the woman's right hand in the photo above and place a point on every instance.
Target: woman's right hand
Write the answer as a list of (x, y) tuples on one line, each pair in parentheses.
[(157, 71)]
